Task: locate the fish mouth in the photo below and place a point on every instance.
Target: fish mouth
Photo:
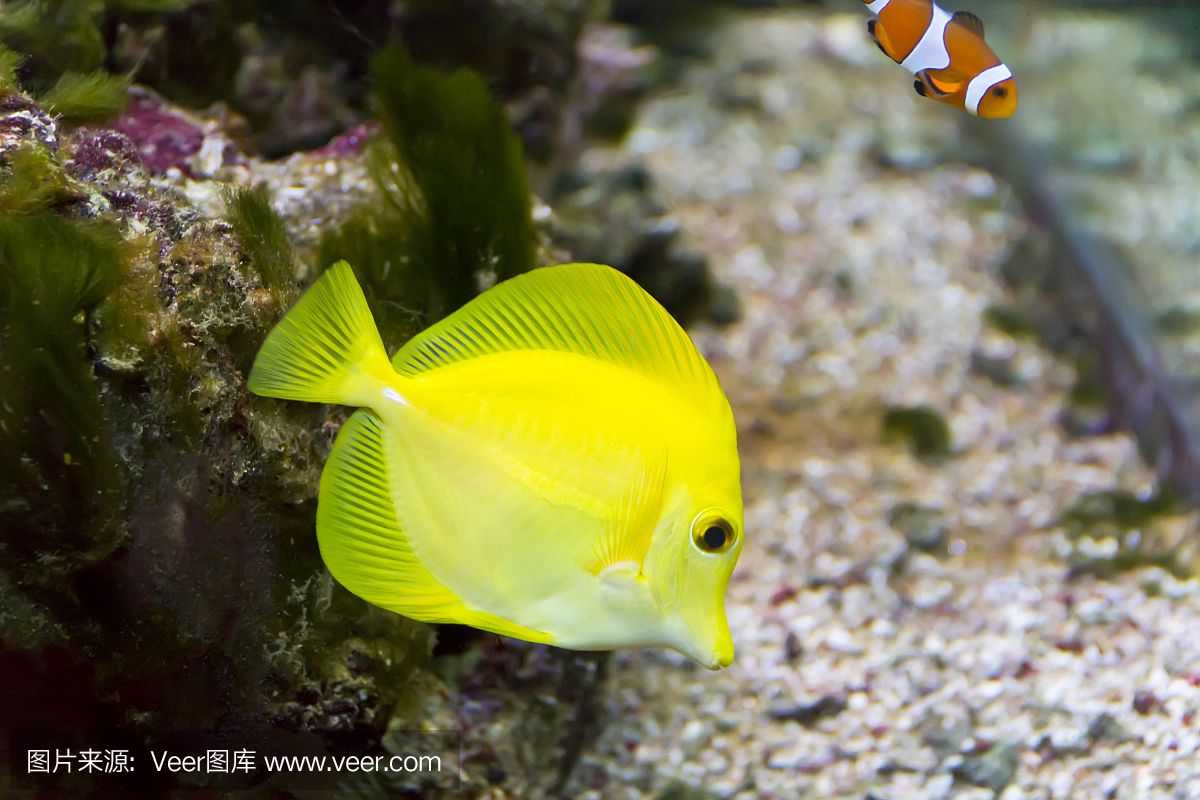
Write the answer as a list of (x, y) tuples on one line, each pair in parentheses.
[(714, 657), (722, 655), (717, 661), (704, 638)]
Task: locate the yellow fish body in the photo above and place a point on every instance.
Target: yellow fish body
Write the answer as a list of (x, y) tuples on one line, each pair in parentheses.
[(555, 462)]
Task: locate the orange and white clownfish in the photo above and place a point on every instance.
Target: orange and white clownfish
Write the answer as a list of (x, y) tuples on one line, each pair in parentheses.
[(947, 54)]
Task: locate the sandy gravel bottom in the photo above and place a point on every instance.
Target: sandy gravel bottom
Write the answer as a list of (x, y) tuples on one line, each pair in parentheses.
[(865, 258)]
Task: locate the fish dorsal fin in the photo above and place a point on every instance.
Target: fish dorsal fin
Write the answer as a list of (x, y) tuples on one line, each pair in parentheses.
[(969, 21), (587, 309), (364, 546)]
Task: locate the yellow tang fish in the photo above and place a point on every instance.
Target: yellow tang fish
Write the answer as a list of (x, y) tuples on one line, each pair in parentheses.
[(947, 53), (554, 462)]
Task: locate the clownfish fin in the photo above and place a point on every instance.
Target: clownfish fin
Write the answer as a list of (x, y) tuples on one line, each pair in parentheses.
[(879, 35), (969, 21), (925, 86), (942, 82)]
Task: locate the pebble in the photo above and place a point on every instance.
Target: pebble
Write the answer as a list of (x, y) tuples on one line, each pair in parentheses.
[(992, 769)]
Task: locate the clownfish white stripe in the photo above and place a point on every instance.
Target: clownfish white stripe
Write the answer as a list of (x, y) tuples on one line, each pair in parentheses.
[(877, 5), (982, 83), (931, 52)]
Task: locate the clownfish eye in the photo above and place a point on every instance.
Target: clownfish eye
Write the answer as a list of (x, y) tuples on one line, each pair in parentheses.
[(1000, 91), (713, 534)]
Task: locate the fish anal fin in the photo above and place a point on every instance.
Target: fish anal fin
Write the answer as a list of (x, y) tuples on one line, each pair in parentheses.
[(365, 548), (626, 539), (969, 21)]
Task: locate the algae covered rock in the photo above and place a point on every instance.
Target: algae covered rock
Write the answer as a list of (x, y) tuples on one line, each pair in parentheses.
[(144, 495)]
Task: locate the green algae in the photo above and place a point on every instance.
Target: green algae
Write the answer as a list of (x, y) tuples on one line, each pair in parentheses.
[(921, 428), (1010, 320), (35, 182), (10, 62), (1119, 510), (377, 249), (358, 664), (24, 623), (127, 322), (1139, 526), (57, 470), (264, 237), (64, 50), (79, 97), (59, 36), (678, 790), (454, 207)]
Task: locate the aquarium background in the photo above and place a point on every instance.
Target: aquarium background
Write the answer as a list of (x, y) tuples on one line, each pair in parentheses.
[(963, 358)]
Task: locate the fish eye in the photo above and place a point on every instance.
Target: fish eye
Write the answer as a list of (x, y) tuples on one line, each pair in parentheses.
[(712, 534), (1000, 91)]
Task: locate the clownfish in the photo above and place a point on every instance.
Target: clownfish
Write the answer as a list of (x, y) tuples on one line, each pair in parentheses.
[(947, 54)]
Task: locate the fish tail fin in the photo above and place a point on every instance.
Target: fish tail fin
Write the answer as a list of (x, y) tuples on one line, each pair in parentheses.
[(326, 349)]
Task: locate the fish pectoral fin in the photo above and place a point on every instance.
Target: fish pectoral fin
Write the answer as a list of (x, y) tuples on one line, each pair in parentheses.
[(365, 547), (623, 574), (969, 21), (939, 82), (946, 81), (879, 35), (626, 538)]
